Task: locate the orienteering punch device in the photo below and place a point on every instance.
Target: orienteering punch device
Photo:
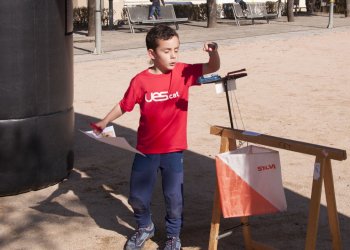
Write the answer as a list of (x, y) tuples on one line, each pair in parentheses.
[(233, 75)]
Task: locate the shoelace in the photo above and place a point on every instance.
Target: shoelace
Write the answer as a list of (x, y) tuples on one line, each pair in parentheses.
[(171, 242), (138, 232), (134, 237)]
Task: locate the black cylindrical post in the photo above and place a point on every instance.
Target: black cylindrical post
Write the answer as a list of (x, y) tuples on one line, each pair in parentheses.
[(36, 94), (225, 82)]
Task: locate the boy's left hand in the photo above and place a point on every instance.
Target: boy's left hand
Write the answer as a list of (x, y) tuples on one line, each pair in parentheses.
[(210, 47)]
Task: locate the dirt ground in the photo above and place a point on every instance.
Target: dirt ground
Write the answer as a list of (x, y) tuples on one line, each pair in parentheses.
[(298, 87)]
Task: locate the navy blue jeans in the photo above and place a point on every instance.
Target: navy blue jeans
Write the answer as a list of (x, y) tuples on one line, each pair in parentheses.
[(142, 181)]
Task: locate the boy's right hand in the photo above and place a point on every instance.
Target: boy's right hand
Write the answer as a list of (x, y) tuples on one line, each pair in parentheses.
[(98, 127)]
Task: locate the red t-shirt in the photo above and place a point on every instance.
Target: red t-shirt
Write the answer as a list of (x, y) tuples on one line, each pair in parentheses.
[(163, 101)]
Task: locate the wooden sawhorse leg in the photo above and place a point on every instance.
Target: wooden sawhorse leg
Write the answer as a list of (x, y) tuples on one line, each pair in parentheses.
[(314, 209), (225, 145), (215, 221), (322, 172), (332, 206)]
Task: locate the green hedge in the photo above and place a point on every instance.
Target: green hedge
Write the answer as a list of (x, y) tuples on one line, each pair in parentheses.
[(193, 12), (80, 18)]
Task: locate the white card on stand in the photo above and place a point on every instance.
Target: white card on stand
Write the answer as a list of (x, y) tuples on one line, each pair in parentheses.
[(219, 87)]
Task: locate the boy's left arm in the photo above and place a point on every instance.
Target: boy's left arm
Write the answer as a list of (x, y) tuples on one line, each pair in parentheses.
[(214, 59)]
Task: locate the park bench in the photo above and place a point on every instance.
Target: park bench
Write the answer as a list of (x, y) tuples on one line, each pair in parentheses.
[(255, 11), (138, 15)]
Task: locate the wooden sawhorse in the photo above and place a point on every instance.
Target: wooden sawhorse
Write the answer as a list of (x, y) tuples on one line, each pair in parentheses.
[(323, 170)]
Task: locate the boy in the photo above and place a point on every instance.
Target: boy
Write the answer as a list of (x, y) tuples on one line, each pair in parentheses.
[(162, 93)]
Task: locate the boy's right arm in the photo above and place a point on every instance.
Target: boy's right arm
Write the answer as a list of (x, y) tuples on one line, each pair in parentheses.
[(111, 116)]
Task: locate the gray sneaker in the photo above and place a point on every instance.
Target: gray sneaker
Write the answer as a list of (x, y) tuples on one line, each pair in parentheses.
[(138, 239), (173, 243)]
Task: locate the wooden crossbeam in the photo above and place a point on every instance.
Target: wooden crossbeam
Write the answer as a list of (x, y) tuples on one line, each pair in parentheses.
[(278, 142)]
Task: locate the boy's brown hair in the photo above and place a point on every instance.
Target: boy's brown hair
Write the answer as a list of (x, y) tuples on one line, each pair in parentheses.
[(159, 32)]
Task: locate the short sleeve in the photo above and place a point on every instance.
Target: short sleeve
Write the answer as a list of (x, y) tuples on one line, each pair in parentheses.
[(192, 72), (131, 97)]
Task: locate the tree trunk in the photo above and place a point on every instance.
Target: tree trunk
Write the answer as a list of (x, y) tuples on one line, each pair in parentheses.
[(211, 8), (347, 8), (110, 14), (290, 12), (313, 6), (91, 17)]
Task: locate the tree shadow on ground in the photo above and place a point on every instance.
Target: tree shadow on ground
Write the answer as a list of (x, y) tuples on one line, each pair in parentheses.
[(102, 171)]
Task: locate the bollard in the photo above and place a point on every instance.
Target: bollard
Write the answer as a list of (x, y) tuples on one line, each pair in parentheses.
[(36, 97)]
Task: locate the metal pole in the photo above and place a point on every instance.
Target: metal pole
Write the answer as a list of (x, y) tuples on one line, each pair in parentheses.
[(98, 25), (110, 14), (228, 101), (330, 20)]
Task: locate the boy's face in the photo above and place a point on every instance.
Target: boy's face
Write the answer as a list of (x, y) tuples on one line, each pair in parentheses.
[(166, 54)]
